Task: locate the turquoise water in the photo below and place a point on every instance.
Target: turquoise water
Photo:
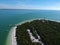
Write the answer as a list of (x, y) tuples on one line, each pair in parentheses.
[(12, 16)]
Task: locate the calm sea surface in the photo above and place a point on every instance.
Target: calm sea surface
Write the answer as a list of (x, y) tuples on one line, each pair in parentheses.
[(14, 16)]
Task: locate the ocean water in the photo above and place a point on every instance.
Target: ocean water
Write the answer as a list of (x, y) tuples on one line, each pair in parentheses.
[(14, 16)]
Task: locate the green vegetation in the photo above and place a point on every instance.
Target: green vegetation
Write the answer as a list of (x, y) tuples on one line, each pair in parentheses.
[(48, 30)]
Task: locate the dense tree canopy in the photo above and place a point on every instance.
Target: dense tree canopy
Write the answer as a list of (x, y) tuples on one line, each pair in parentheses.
[(48, 30)]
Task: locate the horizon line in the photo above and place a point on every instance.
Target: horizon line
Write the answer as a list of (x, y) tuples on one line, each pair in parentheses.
[(31, 9)]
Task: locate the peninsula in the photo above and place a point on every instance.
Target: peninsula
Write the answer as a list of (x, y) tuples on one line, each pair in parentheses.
[(38, 32)]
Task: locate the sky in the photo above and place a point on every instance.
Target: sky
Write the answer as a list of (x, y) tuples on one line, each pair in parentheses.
[(30, 4)]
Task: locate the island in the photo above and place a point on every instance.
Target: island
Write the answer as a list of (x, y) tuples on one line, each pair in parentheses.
[(38, 32)]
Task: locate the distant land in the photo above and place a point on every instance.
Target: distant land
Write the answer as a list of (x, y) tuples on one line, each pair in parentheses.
[(30, 9)]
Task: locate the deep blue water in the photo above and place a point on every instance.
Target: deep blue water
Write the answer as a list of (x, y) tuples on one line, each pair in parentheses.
[(14, 16)]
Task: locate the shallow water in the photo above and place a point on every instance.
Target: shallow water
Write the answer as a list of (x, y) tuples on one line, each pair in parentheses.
[(12, 16)]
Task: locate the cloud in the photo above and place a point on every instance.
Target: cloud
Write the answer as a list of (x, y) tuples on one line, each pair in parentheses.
[(24, 6)]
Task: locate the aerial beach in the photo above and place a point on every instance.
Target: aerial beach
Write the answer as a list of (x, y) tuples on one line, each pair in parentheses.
[(29, 22), (11, 40)]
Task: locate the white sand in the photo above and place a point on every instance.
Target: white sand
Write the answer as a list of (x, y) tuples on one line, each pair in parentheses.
[(11, 37)]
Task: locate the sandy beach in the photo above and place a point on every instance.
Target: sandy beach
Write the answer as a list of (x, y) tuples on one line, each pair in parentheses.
[(11, 37)]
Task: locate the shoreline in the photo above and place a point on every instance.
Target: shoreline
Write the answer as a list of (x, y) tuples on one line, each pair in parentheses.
[(11, 39)]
